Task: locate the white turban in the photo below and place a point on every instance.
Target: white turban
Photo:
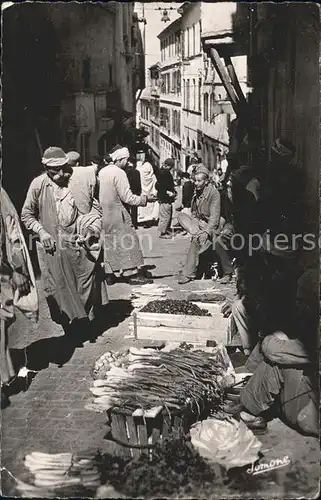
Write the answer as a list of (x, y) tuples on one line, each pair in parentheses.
[(54, 157), (120, 154)]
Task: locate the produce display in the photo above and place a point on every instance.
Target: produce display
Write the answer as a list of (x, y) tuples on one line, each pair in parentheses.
[(147, 378), (170, 306), (107, 361), (175, 470), (227, 442), (63, 474), (201, 296)]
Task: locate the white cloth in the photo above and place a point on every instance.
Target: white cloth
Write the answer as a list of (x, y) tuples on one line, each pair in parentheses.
[(120, 154), (224, 165), (55, 162), (67, 211), (148, 182)]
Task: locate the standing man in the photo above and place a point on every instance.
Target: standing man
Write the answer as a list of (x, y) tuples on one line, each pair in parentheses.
[(122, 249), (73, 158), (134, 179), (203, 225), (68, 221), (166, 195)]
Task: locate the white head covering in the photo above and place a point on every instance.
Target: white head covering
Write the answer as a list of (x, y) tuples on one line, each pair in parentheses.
[(54, 157), (120, 154)]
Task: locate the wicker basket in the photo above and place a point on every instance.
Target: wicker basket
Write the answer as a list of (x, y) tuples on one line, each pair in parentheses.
[(135, 435)]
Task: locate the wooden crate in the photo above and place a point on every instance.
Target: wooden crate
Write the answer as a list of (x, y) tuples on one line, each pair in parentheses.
[(181, 328), (136, 435)]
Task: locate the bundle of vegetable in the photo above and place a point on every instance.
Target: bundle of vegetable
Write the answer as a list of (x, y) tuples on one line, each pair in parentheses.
[(65, 473), (175, 470), (107, 361), (141, 295), (170, 306), (160, 379)]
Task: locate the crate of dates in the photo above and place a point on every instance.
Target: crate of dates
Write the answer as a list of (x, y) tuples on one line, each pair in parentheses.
[(179, 321)]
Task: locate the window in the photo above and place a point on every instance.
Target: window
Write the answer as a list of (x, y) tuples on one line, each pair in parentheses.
[(188, 44), (184, 92), (174, 121), (211, 112), (86, 72), (179, 82), (199, 93), (183, 43), (206, 107), (188, 96), (197, 38), (194, 41), (194, 95), (177, 47), (200, 32)]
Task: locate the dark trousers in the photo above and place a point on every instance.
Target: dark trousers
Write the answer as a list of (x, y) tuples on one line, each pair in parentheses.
[(224, 258), (165, 218), (134, 216)]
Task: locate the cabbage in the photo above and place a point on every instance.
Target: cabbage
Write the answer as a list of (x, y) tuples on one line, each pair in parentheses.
[(226, 442)]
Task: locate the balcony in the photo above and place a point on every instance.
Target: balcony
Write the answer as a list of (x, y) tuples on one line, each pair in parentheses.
[(155, 90)]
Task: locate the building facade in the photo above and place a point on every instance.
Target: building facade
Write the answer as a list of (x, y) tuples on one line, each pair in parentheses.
[(217, 110), (195, 111), (76, 92), (170, 100), (192, 63), (154, 137), (101, 73), (283, 46)]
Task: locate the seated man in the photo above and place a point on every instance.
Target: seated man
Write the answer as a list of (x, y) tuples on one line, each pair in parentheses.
[(285, 366), (286, 372), (203, 225)]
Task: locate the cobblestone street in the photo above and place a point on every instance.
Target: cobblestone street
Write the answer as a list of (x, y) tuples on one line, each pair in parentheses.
[(51, 416)]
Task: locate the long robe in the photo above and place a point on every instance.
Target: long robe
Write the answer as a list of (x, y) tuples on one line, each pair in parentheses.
[(14, 258), (121, 245), (148, 182), (73, 280)]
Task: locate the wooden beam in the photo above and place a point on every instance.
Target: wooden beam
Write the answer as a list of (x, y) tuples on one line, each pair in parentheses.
[(216, 60), (234, 80)]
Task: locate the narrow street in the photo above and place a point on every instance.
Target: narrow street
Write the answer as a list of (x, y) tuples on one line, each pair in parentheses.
[(194, 116), (51, 416)]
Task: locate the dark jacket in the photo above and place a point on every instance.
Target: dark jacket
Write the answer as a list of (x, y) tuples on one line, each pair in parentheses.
[(165, 182), (187, 194), (133, 176)]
